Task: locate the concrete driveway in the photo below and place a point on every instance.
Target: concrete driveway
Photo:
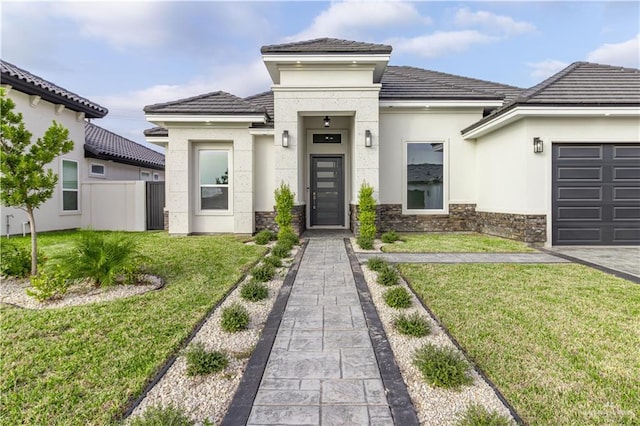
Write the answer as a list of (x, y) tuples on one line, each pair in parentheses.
[(623, 259)]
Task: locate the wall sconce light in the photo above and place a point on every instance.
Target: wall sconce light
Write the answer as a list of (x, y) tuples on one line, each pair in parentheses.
[(285, 138), (327, 121), (367, 138), (538, 145)]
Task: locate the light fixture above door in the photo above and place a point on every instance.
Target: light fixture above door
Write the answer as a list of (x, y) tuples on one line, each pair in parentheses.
[(327, 121)]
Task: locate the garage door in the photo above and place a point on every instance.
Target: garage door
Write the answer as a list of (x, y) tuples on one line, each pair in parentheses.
[(596, 194)]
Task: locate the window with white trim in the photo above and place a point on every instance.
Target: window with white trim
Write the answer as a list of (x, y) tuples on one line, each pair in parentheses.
[(144, 175), (213, 179), (96, 170), (424, 183), (70, 186)]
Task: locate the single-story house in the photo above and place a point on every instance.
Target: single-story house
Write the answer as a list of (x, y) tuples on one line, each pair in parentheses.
[(555, 164), (98, 156)]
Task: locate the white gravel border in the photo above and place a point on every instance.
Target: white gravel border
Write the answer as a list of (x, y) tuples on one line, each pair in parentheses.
[(208, 397), (434, 406)]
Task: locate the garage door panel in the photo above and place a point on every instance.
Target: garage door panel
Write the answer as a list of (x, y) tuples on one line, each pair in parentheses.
[(596, 194)]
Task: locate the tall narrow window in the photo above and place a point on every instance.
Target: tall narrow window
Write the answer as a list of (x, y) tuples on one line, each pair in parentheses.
[(425, 176), (213, 170), (69, 185)]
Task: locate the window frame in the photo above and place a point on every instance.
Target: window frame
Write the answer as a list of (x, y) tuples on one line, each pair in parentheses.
[(445, 178), (156, 177), (145, 172), (228, 149), (63, 189), (97, 175)]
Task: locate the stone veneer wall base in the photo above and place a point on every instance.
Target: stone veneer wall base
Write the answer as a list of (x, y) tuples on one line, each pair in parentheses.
[(267, 220)]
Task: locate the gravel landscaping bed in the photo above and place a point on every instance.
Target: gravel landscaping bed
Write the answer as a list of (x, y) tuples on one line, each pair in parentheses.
[(207, 398), (434, 406)]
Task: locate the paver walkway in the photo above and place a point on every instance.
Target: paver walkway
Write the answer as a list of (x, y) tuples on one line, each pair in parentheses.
[(322, 368)]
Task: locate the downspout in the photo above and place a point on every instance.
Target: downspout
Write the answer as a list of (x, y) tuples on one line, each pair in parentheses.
[(8, 225)]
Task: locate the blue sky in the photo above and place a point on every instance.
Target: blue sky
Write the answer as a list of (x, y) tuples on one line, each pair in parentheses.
[(125, 55)]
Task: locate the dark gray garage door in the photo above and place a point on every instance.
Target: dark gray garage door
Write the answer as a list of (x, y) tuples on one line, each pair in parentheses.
[(596, 194)]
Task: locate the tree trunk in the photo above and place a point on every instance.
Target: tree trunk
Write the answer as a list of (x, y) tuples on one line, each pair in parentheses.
[(34, 242)]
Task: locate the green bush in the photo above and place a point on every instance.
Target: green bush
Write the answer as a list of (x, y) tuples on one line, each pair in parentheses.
[(477, 415), (263, 273), (397, 297), (281, 250), (235, 317), (49, 284), (16, 261), (201, 362), (390, 237), (264, 237), (366, 216), (288, 237), (412, 325), (274, 261), (254, 291), (162, 416), (377, 263), (442, 367), (104, 258), (388, 276), (284, 198)]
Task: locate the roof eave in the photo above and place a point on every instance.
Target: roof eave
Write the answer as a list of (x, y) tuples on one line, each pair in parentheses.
[(91, 152), (160, 119), (438, 103)]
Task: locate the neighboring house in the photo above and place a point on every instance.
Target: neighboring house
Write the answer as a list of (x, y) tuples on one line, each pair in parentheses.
[(556, 164), (98, 156)]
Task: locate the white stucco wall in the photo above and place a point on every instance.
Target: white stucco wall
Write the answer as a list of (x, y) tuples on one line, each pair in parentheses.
[(111, 205), (37, 120), (117, 171), (264, 177), (398, 126)]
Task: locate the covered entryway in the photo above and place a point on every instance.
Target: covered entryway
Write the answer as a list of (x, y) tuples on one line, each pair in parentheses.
[(596, 194), (327, 190)]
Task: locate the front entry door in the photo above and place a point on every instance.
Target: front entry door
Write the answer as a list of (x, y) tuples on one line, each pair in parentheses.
[(327, 191)]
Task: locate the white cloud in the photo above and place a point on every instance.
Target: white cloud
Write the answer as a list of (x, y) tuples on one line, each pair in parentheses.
[(492, 22), (626, 53), (441, 43), (352, 19), (544, 69)]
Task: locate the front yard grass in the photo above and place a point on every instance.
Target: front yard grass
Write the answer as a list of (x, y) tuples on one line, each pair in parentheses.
[(562, 342), (455, 243), (81, 365)]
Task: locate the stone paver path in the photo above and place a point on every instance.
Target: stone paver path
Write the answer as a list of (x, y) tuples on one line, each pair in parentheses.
[(322, 369)]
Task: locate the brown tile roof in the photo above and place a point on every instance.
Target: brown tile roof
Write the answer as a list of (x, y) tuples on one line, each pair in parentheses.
[(25, 82), (105, 145), (215, 103), (327, 45)]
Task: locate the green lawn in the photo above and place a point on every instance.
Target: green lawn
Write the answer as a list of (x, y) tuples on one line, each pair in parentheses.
[(80, 365), (562, 342), (455, 243)]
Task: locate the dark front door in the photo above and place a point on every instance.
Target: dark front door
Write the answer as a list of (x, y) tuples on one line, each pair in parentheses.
[(327, 191), (596, 194)]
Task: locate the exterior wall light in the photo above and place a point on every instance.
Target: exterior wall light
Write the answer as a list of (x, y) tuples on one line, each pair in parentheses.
[(367, 138), (537, 145), (285, 138), (327, 121)]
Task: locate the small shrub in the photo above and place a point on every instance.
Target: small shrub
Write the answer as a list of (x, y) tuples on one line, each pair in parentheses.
[(162, 416), (365, 243), (49, 284), (390, 237), (476, 415), (388, 276), (288, 237), (16, 261), (201, 362), (280, 250), (274, 261), (264, 237), (263, 273), (398, 298), (284, 198), (254, 291), (235, 317), (377, 263), (442, 367), (412, 325)]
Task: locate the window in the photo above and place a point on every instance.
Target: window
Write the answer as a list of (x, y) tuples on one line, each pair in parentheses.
[(156, 177), (145, 175), (213, 179), (425, 185), (97, 170), (69, 185)]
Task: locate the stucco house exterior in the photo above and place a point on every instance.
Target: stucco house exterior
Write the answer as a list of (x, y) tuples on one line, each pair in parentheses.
[(98, 159), (558, 163)]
